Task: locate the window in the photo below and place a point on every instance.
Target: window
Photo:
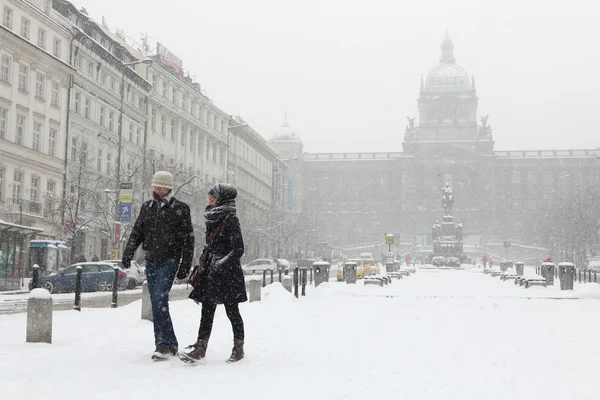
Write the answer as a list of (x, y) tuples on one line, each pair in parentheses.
[(111, 121), (41, 38), (8, 17), (207, 149), (192, 137), (5, 64), (90, 69), (138, 136), (131, 132), (3, 118), (174, 96), (84, 150), (99, 161), (173, 128), (214, 158), (153, 120), (25, 27), (55, 96), (221, 156), (108, 163), (74, 149), (20, 131), (79, 63), (163, 127), (40, 84), (102, 116), (52, 142), (2, 172), (154, 84), (51, 187), (35, 188), (182, 135), (77, 102), (87, 107), (23, 78), (113, 84), (104, 79), (56, 48), (17, 181), (200, 146), (165, 88), (38, 128)]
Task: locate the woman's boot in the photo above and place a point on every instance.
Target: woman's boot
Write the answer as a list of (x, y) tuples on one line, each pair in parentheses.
[(197, 352), (237, 353)]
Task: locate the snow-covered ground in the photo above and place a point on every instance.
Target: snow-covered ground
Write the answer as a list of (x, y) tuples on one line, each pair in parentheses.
[(452, 334)]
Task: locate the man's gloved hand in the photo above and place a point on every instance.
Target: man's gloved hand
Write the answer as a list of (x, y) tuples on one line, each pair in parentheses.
[(182, 273)]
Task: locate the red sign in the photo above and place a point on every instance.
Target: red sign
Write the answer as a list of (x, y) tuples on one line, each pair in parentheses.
[(117, 233), (168, 58)]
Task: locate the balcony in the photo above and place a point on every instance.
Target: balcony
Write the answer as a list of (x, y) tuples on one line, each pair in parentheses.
[(21, 206)]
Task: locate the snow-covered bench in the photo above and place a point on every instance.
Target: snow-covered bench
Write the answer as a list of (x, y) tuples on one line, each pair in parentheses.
[(494, 274), (508, 275), (531, 280), (372, 280), (395, 274), (404, 272)]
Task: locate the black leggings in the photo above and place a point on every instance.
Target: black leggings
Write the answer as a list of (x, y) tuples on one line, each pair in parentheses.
[(208, 316)]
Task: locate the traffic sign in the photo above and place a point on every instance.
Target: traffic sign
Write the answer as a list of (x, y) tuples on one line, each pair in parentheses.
[(389, 239), (125, 212), (507, 244)]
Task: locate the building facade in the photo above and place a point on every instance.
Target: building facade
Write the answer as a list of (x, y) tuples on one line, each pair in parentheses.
[(34, 79), (500, 195)]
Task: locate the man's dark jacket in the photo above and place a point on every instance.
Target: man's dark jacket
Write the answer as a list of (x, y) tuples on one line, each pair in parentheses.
[(166, 233)]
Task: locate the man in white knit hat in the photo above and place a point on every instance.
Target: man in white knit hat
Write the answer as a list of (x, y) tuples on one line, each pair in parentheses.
[(164, 229)]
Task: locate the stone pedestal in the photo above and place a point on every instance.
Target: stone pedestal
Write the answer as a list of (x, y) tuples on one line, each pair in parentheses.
[(287, 283), (39, 317), (254, 288), (146, 304)]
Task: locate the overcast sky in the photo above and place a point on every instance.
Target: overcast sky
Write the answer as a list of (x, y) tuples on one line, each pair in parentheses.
[(348, 72)]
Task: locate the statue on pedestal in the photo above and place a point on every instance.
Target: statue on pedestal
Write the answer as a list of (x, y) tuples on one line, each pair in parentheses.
[(447, 199)]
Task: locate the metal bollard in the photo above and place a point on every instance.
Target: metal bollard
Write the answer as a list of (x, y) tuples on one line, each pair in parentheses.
[(296, 282), (589, 275), (311, 275), (580, 276), (279, 276), (584, 276), (35, 280), (77, 306), (264, 277), (304, 272), (271, 276), (115, 288)]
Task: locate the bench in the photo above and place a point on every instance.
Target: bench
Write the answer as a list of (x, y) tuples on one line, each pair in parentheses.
[(396, 275), (494, 274), (534, 280), (404, 272), (373, 281), (508, 275)]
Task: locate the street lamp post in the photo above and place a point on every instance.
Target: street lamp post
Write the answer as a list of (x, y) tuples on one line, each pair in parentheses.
[(317, 213), (147, 61), (229, 127)]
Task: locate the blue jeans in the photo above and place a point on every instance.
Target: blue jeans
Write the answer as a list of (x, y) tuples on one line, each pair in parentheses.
[(160, 277)]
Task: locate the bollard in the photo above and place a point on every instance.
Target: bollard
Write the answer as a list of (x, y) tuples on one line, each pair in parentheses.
[(115, 288), (287, 283), (77, 306), (580, 276), (589, 275), (146, 303), (39, 317), (311, 275), (271, 276), (264, 278), (35, 280), (280, 276), (254, 289), (296, 282), (303, 277), (584, 276)]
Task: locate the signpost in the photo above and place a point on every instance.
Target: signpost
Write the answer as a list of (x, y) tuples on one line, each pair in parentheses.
[(506, 246)]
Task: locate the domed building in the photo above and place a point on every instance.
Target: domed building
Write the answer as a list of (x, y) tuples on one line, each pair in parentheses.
[(286, 142)]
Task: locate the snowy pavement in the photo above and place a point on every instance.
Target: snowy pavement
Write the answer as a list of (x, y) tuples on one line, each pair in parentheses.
[(434, 335)]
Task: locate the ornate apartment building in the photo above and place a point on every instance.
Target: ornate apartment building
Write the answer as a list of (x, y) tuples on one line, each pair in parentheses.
[(35, 75)]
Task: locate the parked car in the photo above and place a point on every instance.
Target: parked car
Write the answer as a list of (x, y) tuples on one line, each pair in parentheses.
[(95, 276), (260, 264), (135, 273)]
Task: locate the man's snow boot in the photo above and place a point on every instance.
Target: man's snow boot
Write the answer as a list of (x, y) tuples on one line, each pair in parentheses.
[(163, 353), (237, 353)]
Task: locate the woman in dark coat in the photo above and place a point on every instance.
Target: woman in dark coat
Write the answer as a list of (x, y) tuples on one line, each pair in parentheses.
[(222, 282)]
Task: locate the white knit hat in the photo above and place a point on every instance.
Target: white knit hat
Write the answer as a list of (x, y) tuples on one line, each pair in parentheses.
[(163, 179)]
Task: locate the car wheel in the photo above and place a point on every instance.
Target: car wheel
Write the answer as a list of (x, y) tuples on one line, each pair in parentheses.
[(132, 283), (48, 286), (105, 286)]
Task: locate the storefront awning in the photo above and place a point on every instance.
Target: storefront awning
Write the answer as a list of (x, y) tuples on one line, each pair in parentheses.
[(22, 229)]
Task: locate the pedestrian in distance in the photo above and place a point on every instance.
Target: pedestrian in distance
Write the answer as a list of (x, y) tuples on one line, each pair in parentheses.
[(221, 280), (164, 229)]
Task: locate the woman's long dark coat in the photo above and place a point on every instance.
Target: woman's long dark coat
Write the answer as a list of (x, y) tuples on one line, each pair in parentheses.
[(226, 284)]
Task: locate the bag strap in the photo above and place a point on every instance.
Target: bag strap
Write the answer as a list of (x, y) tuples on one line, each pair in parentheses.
[(212, 239)]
